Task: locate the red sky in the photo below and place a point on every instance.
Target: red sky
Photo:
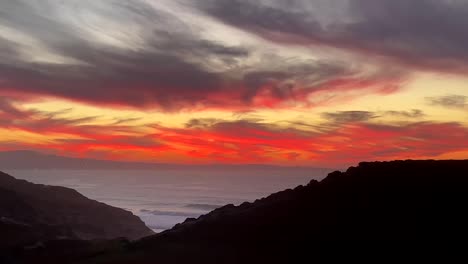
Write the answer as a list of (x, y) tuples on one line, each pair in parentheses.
[(316, 84)]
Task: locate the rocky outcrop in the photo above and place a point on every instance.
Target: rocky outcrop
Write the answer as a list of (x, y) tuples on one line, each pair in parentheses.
[(33, 212)]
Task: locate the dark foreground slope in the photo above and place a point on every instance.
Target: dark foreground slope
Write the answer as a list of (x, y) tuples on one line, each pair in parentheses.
[(424, 201), (31, 213)]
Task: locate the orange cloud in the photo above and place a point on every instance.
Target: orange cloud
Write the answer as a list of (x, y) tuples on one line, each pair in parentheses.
[(345, 138)]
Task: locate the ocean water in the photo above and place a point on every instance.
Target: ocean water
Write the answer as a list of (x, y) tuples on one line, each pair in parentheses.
[(163, 198)]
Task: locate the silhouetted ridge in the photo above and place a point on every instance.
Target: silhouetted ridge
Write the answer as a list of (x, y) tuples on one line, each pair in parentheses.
[(420, 201), (31, 213), (401, 200)]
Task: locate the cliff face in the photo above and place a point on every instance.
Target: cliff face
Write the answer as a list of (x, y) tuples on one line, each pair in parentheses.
[(33, 212)]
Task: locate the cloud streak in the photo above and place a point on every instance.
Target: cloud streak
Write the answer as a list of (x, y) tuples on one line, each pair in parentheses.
[(345, 138), (134, 54), (426, 33), (349, 116), (176, 70), (449, 101)]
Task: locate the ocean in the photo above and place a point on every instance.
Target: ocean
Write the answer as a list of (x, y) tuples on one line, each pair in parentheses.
[(163, 198)]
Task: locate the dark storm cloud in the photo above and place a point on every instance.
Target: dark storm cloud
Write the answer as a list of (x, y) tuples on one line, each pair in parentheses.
[(108, 74), (132, 54), (8, 53), (283, 82), (143, 80), (157, 74), (425, 33), (449, 101)]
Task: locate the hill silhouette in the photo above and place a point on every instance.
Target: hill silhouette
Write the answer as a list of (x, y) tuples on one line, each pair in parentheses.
[(400, 201), (32, 213)]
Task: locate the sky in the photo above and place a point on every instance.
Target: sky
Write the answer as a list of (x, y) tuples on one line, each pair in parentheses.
[(286, 82)]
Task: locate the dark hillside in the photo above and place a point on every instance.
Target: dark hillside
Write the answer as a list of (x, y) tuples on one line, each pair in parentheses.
[(400, 202), (31, 213)]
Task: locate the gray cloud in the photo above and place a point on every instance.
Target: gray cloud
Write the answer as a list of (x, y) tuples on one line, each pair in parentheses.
[(426, 33), (415, 113), (9, 111), (15, 117), (202, 123), (246, 127), (349, 116), (449, 101), (156, 73), (119, 121), (134, 141), (132, 54), (343, 117)]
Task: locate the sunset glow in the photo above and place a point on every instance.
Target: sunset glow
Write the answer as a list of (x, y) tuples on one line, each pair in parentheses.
[(206, 85)]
